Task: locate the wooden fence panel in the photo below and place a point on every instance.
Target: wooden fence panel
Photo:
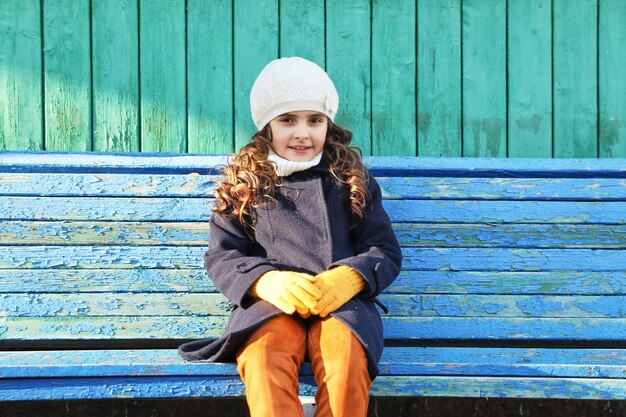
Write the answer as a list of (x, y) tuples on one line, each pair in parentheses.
[(473, 78)]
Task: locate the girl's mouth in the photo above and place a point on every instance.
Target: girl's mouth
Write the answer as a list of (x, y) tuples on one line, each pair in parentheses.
[(300, 149)]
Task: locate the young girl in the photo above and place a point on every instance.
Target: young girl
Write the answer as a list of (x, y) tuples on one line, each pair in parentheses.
[(301, 246)]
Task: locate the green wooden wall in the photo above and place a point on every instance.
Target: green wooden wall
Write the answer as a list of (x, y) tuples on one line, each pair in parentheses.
[(486, 78)]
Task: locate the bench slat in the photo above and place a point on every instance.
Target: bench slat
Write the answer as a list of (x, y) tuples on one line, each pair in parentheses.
[(402, 328), (454, 259), (216, 386), (581, 363), (202, 304), (409, 282), (402, 211), (194, 185), (416, 235), (104, 233), (99, 185), (503, 188)]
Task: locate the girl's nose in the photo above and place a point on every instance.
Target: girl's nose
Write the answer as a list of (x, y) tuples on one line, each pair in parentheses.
[(302, 131)]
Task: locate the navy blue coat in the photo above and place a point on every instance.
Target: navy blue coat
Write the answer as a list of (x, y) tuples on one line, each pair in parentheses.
[(306, 229)]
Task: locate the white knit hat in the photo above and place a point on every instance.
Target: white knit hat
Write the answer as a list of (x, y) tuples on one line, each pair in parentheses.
[(292, 84)]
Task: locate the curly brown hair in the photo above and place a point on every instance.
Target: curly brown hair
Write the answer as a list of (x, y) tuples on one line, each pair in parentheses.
[(250, 178)]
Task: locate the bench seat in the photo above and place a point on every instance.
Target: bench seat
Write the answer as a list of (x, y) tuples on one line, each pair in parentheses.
[(419, 371), (513, 283)]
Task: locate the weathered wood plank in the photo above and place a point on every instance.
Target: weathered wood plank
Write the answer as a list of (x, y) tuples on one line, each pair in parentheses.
[(105, 328), (560, 189), (107, 185), (227, 386), (256, 35), (29, 162), (393, 64), (409, 282), (21, 89), (484, 78), (529, 66), (442, 259), (506, 282), (210, 76), (575, 87), (163, 76), (67, 75), (410, 211), (439, 78), (409, 234), (502, 306), (348, 58), (105, 209), (577, 363), (115, 74), (101, 280), (104, 233), (116, 305), (518, 329), (196, 185), (421, 329), (611, 83), (509, 235), (401, 211), (302, 29)]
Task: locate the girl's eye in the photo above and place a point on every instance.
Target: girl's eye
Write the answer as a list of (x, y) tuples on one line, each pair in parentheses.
[(286, 120), (316, 120)]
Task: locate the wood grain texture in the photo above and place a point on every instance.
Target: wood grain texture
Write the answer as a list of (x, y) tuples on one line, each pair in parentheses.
[(612, 94), (393, 78), (115, 73), (163, 76), (529, 80), (348, 57), (106, 251), (210, 76), (575, 74), (302, 30), (439, 78), (484, 78), (256, 29), (67, 75), (21, 89)]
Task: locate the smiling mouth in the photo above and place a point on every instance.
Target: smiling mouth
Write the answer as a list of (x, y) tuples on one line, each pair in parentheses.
[(300, 148)]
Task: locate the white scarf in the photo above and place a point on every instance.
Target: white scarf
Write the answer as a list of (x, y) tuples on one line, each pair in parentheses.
[(285, 167)]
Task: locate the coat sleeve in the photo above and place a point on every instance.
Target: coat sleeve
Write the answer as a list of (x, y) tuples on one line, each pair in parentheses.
[(377, 253), (234, 261)]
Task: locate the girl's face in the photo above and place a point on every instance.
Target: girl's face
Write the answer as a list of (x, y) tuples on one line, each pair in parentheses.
[(300, 135)]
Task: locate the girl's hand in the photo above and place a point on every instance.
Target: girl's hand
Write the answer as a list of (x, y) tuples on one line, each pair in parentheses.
[(289, 291), (337, 286)]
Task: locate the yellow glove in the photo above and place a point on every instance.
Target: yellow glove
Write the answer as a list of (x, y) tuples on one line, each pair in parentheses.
[(287, 290), (337, 286)]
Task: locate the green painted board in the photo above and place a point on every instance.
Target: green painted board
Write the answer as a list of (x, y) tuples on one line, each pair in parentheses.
[(302, 30), (256, 44), (484, 78), (612, 55), (530, 78), (575, 79), (163, 76), (348, 58), (21, 116), (393, 78), (210, 76), (439, 78), (115, 55), (67, 74)]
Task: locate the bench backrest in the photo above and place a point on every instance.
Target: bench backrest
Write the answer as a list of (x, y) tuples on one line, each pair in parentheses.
[(100, 249)]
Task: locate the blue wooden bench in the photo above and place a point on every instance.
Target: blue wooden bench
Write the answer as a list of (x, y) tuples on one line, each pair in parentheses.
[(513, 284)]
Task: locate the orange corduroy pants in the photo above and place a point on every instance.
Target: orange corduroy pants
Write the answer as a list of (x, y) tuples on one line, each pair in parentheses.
[(270, 359)]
